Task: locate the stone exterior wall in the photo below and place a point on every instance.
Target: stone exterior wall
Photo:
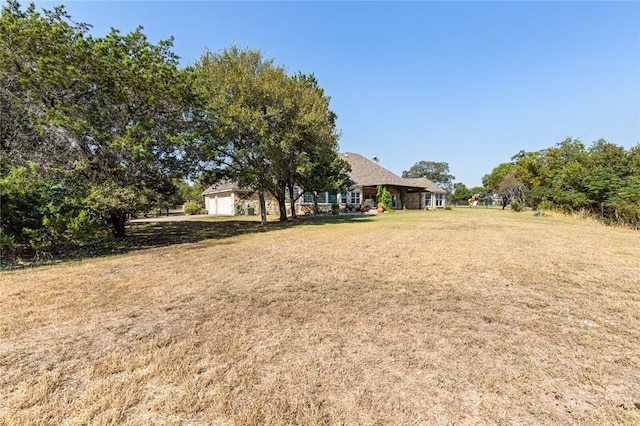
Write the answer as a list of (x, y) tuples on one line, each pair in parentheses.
[(251, 203), (412, 200), (245, 204), (415, 201)]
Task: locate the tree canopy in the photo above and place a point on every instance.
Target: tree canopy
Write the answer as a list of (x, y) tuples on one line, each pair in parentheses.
[(103, 115), (437, 172), (460, 193), (264, 129), (95, 128), (602, 179), (492, 180)]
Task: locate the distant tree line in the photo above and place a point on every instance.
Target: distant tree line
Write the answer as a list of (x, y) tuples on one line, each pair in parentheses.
[(95, 128), (602, 180)]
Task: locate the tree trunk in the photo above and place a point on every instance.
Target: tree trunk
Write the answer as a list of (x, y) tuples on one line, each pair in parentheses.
[(282, 206), (263, 208), (316, 209), (118, 220), (292, 201)]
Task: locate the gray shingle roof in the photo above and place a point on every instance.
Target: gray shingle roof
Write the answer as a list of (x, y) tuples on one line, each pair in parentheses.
[(426, 184), (365, 172), (222, 186)]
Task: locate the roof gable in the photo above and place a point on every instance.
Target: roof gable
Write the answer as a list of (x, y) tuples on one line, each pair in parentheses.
[(222, 186), (426, 184), (365, 172)]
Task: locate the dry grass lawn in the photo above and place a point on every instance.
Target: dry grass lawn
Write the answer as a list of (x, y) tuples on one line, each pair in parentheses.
[(449, 317)]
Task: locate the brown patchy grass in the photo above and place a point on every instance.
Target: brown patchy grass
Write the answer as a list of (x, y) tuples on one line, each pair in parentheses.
[(153, 233), (449, 317)]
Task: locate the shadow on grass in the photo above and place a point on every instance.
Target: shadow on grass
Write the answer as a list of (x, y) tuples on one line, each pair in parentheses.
[(154, 234), (162, 234)]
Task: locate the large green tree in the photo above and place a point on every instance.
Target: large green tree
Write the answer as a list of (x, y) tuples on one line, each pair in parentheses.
[(33, 48), (460, 193), (268, 131), (304, 151), (234, 116), (127, 122), (602, 179), (438, 172), (38, 53), (107, 112), (492, 180)]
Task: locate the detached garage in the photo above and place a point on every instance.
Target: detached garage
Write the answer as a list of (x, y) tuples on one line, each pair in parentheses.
[(220, 199), (227, 198), (220, 204)]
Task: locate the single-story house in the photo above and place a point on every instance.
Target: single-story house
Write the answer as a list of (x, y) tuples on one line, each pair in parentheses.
[(227, 198)]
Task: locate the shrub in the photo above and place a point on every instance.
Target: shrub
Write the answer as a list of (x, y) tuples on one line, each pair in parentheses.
[(62, 224), (192, 207), (21, 196), (626, 214), (516, 206), (403, 197), (7, 246), (546, 205), (43, 212), (384, 197)]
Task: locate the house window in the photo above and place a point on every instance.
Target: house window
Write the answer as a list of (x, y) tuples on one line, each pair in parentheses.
[(296, 192), (343, 198), (322, 198), (355, 197), (439, 200), (427, 199), (333, 198), (307, 197)]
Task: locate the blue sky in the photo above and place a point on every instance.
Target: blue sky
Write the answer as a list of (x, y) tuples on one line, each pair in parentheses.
[(468, 83)]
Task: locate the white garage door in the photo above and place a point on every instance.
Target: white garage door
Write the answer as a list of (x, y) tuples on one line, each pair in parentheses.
[(220, 205), (224, 205)]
